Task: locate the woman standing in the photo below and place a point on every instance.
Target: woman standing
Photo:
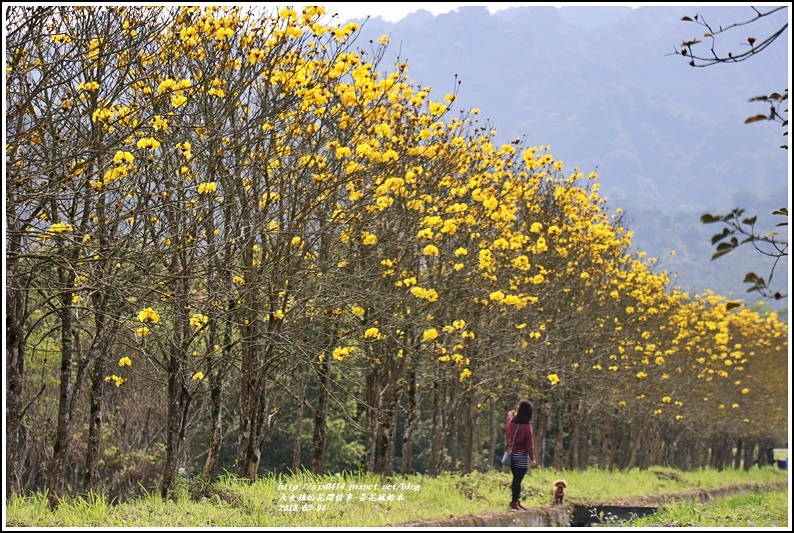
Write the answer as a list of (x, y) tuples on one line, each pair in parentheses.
[(521, 447)]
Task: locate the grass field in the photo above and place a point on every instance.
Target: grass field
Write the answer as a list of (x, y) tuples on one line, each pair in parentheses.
[(756, 509), (366, 500)]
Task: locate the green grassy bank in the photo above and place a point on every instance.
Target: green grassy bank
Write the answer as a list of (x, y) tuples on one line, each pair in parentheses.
[(362, 500)]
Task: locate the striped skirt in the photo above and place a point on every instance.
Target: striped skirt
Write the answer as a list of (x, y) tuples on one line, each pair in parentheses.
[(520, 460)]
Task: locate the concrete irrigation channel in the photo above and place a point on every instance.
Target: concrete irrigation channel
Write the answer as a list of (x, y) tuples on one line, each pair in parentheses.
[(592, 514)]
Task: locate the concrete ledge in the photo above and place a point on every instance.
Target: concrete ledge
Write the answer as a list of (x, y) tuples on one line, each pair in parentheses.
[(560, 516)]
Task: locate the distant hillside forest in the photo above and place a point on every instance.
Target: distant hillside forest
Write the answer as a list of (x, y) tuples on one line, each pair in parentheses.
[(602, 87)]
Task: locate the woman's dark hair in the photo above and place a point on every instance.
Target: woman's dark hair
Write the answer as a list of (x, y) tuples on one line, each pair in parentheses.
[(524, 414)]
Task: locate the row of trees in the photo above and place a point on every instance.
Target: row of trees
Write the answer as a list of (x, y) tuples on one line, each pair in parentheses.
[(224, 225)]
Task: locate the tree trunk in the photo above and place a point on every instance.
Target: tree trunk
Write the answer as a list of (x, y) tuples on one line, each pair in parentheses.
[(383, 426), (495, 427), (635, 448), (437, 434), (386, 428), (715, 457), (64, 427), (255, 424), (585, 438), (216, 379), (539, 427), (296, 451), (98, 355), (616, 438), (255, 419), (694, 458), (213, 451), (321, 416), (644, 451), (371, 405), (749, 448), (248, 398), (411, 421), (453, 437), (575, 436), (496, 430), (387, 411), (178, 393), (689, 455), (216, 370), (468, 432), (604, 438), (737, 458), (559, 453), (178, 400), (660, 450), (15, 363)]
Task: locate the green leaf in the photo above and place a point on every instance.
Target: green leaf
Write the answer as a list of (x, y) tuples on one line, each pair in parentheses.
[(781, 211), (758, 284), (756, 118), (732, 305), (736, 213), (709, 219), (751, 277), (758, 98), (719, 236), (750, 221), (720, 254), (687, 19)]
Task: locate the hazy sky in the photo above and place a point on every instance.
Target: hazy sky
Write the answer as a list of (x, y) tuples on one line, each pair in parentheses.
[(395, 11)]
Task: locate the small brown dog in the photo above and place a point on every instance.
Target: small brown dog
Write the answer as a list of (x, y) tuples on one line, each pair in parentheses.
[(559, 491)]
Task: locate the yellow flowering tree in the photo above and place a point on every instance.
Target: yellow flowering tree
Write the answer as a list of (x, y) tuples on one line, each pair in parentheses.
[(210, 205)]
